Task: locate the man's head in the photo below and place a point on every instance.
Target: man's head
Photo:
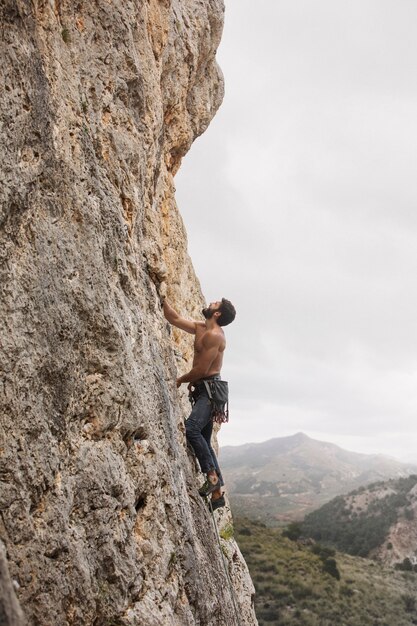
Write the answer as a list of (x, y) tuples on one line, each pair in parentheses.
[(223, 311)]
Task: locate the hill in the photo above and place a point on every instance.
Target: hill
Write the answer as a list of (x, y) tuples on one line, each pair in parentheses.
[(298, 585), (378, 521), (286, 477)]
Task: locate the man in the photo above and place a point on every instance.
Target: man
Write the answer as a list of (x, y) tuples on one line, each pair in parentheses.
[(209, 347)]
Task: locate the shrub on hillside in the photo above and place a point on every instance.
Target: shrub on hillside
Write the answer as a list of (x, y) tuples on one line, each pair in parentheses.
[(405, 566), (347, 591), (322, 551), (409, 602), (293, 531), (267, 566), (330, 567)]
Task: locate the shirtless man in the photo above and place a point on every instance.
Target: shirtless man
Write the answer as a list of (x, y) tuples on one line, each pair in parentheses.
[(209, 347)]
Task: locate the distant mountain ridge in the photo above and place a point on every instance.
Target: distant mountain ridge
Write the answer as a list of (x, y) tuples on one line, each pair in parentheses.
[(284, 478)]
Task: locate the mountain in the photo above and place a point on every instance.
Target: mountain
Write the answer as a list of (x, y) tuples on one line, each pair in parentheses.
[(308, 585), (378, 521), (286, 477)]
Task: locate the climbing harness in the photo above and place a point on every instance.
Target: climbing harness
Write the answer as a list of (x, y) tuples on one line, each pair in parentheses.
[(218, 393), (232, 593)]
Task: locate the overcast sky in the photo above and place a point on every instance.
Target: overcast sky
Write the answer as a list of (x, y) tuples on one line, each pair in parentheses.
[(300, 206)]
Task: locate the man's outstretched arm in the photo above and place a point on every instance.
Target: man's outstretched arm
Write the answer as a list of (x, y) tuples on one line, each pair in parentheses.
[(176, 320)]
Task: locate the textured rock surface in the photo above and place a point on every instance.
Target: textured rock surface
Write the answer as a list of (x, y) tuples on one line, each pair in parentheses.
[(99, 512), (10, 611)]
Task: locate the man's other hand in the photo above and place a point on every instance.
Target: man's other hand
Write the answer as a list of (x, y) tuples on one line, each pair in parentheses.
[(179, 382)]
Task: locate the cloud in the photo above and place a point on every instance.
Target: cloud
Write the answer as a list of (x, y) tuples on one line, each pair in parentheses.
[(299, 202)]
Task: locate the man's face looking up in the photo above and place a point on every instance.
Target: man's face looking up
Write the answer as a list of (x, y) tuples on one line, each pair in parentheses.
[(209, 311)]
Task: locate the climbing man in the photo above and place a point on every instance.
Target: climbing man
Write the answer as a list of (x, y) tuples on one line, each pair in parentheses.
[(209, 347)]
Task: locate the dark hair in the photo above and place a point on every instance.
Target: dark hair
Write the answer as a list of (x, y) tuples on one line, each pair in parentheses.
[(228, 313)]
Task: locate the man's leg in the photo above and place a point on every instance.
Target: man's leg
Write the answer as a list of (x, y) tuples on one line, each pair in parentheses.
[(199, 419), (217, 499), (206, 433)]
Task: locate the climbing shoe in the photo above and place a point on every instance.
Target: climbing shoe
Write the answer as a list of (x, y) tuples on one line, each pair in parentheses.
[(216, 504), (208, 488)]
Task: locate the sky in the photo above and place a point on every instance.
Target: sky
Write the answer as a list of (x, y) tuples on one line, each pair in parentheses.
[(300, 207)]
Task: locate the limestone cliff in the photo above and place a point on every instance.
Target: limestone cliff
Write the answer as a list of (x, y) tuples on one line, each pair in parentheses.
[(100, 522)]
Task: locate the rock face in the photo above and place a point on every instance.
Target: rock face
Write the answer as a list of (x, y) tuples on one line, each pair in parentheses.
[(10, 611), (100, 517)]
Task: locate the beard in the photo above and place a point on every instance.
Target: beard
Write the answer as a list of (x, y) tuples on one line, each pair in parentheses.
[(208, 313)]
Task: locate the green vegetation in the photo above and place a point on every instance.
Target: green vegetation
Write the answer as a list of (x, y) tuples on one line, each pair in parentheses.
[(227, 532), (359, 529), (330, 566), (326, 554), (293, 531), (297, 584), (409, 603), (406, 566)]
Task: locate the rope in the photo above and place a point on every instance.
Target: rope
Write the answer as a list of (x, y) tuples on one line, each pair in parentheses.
[(232, 593)]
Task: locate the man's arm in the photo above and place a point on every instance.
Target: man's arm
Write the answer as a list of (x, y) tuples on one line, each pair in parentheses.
[(211, 345), (178, 321)]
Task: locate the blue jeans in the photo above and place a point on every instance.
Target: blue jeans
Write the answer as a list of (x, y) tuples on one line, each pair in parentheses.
[(198, 429)]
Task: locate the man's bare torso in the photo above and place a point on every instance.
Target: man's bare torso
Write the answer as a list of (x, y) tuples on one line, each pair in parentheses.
[(200, 333)]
